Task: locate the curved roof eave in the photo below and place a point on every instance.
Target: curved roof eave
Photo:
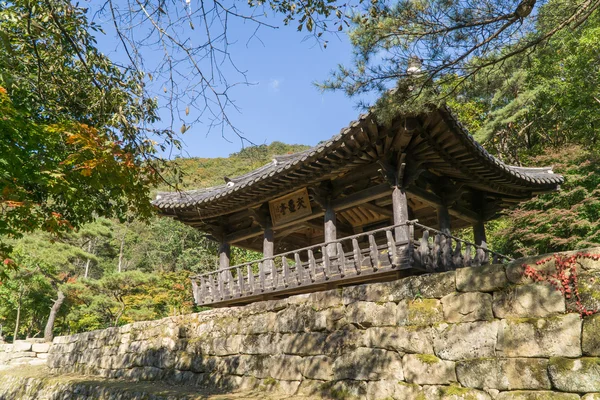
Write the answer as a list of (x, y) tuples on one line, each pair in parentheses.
[(533, 179)]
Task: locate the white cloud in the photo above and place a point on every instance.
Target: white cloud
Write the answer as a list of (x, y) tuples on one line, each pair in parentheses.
[(275, 84)]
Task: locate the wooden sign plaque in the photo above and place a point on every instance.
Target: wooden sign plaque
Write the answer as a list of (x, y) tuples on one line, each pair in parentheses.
[(290, 207)]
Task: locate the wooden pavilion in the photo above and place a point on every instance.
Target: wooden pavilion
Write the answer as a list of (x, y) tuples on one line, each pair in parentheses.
[(372, 203)]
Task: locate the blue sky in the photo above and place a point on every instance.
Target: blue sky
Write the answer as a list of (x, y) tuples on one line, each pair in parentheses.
[(282, 103)]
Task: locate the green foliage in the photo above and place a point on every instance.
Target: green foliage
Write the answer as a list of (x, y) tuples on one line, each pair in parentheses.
[(73, 142), (194, 173), (565, 220)]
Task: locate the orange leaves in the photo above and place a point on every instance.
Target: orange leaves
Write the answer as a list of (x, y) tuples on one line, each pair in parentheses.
[(12, 204)]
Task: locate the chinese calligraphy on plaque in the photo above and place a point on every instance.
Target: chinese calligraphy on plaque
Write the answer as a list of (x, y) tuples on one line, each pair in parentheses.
[(290, 207)]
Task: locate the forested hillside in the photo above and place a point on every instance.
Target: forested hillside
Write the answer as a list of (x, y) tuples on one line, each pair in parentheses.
[(109, 273)]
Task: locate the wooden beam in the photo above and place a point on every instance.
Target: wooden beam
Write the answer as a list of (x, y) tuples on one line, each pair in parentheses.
[(342, 229), (434, 200), (244, 234), (379, 210), (364, 196)]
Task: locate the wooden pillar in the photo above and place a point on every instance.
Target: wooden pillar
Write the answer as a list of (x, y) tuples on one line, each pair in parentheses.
[(482, 256), (330, 228), (268, 241), (224, 255), (444, 219), (400, 208), (479, 234)]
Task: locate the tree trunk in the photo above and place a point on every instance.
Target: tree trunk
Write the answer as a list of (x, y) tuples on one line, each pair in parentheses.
[(120, 267), (49, 331), (89, 260), (18, 320)]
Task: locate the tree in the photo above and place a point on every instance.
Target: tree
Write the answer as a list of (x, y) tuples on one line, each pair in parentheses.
[(565, 220), (448, 42), (74, 143)]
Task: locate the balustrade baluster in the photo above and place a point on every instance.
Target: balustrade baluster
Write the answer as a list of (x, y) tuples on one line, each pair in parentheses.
[(230, 283), (240, 281), (216, 296), (425, 252), (374, 254), (341, 260), (326, 263), (457, 260), (286, 271), (392, 249), (203, 291), (195, 291), (479, 256), (299, 269), (436, 253), (447, 253), (261, 276), (274, 274), (312, 266), (358, 258), (468, 256), (250, 279), (220, 285)]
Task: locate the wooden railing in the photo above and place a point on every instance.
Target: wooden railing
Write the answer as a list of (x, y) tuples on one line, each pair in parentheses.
[(366, 256), (438, 251)]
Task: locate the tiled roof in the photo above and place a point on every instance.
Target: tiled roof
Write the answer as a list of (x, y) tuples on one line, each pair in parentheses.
[(532, 179)]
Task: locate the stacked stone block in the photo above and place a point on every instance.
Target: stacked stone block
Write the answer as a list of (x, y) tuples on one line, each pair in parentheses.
[(473, 333), (23, 352)]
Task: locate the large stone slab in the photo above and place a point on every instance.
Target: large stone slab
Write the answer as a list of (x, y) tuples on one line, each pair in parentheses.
[(588, 285), (20, 346), (504, 374), (536, 395), (40, 347), (330, 319), (427, 369), (295, 319), (486, 278), (435, 285), (365, 314), (373, 292), (533, 300), (306, 343), (287, 368), (575, 375), (466, 340), (403, 339), (590, 336), (467, 307), (591, 396), (420, 312), (452, 392), (365, 364), (318, 367), (558, 336)]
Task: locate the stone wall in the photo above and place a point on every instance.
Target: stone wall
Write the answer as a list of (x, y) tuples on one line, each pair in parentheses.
[(474, 333), (23, 352)]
